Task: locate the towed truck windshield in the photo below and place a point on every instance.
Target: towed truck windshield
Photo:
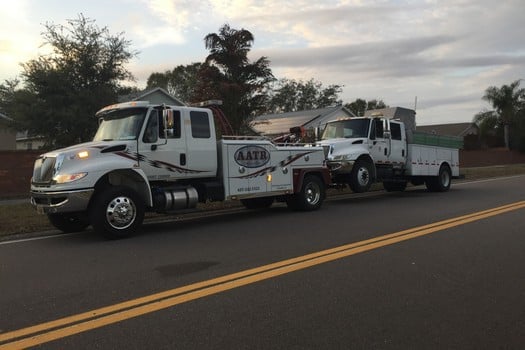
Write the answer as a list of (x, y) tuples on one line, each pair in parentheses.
[(122, 124), (349, 128)]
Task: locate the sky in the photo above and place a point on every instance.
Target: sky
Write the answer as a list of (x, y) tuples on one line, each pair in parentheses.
[(437, 56)]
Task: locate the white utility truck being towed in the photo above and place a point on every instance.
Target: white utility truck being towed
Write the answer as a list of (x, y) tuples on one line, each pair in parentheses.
[(160, 158), (364, 150)]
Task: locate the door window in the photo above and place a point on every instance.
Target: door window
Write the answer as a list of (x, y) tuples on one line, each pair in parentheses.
[(380, 127), (151, 134)]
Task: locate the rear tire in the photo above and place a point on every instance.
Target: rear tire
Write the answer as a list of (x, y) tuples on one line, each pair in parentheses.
[(310, 197), (69, 222), (440, 183), (117, 212)]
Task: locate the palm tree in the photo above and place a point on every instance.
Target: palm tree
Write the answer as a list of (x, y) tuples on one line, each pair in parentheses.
[(507, 102), (229, 49), (241, 83)]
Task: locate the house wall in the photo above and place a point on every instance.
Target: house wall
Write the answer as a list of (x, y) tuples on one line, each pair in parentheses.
[(29, 144), (7, 139)]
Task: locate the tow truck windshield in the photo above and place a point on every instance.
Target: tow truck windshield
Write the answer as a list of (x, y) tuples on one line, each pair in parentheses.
[(349, 128), (123, 124)]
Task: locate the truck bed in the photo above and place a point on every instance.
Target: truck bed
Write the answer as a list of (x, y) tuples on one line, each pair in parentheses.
[(425, 160)]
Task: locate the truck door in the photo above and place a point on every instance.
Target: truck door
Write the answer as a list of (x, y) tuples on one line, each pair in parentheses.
[(161, 154), (379, 146), (398, 149)]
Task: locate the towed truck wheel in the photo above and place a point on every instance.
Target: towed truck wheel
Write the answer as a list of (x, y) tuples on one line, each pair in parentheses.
[(310, 197), (440, 183), (69, 222), (117, 212), (361, 176)]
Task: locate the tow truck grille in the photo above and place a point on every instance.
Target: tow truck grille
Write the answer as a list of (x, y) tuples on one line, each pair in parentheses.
[(43, 171)]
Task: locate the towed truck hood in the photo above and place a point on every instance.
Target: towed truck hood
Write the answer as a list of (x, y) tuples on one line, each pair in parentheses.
[(344, 147)]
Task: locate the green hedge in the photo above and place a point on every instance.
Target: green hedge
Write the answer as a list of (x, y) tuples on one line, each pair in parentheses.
[(422, 138)]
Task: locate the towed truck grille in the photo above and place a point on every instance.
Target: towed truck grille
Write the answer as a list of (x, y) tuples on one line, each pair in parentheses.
[(43, 171)]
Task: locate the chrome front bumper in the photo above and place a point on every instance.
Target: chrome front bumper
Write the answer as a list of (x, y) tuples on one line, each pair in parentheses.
[(61, 202), (340, 166)]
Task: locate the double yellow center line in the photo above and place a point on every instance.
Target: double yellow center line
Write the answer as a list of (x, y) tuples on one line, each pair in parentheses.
[(49, 331)]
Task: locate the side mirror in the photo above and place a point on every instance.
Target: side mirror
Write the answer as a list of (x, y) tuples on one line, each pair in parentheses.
[(387, 135), (167, 117)]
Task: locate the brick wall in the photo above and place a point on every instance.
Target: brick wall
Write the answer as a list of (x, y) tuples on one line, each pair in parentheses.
[(489, 157), (16, 169)]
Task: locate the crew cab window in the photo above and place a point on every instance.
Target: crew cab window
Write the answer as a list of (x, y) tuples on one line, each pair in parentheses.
[(395, 131), (200, 125)]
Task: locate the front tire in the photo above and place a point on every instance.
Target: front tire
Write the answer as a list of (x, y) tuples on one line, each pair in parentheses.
[(310, 197), (117, 212), (69, 222), (440, 183), (361, 176)]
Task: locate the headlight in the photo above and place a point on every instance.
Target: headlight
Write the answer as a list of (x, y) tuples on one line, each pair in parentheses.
[(65, 178), (83, 154), (343, 157)]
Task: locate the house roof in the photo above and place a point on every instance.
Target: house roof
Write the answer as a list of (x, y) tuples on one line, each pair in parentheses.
[(391, 112), (276, 124), (454, 129), (148, 93)]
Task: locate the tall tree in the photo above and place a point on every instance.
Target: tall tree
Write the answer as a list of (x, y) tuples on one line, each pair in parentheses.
[(7, 94), (181, 82), (289, 95), (375, 104), (508, 102), (359, 106), (63, 90), (230, 76), (490, 129)]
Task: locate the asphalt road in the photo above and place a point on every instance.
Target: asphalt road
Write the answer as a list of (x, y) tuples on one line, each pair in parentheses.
[(412, 270)]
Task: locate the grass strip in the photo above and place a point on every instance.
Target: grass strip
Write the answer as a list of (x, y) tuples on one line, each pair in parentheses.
[(22, 218)]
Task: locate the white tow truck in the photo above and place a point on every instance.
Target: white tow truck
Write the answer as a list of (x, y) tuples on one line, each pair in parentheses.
[(371, 149), (159, 158)]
